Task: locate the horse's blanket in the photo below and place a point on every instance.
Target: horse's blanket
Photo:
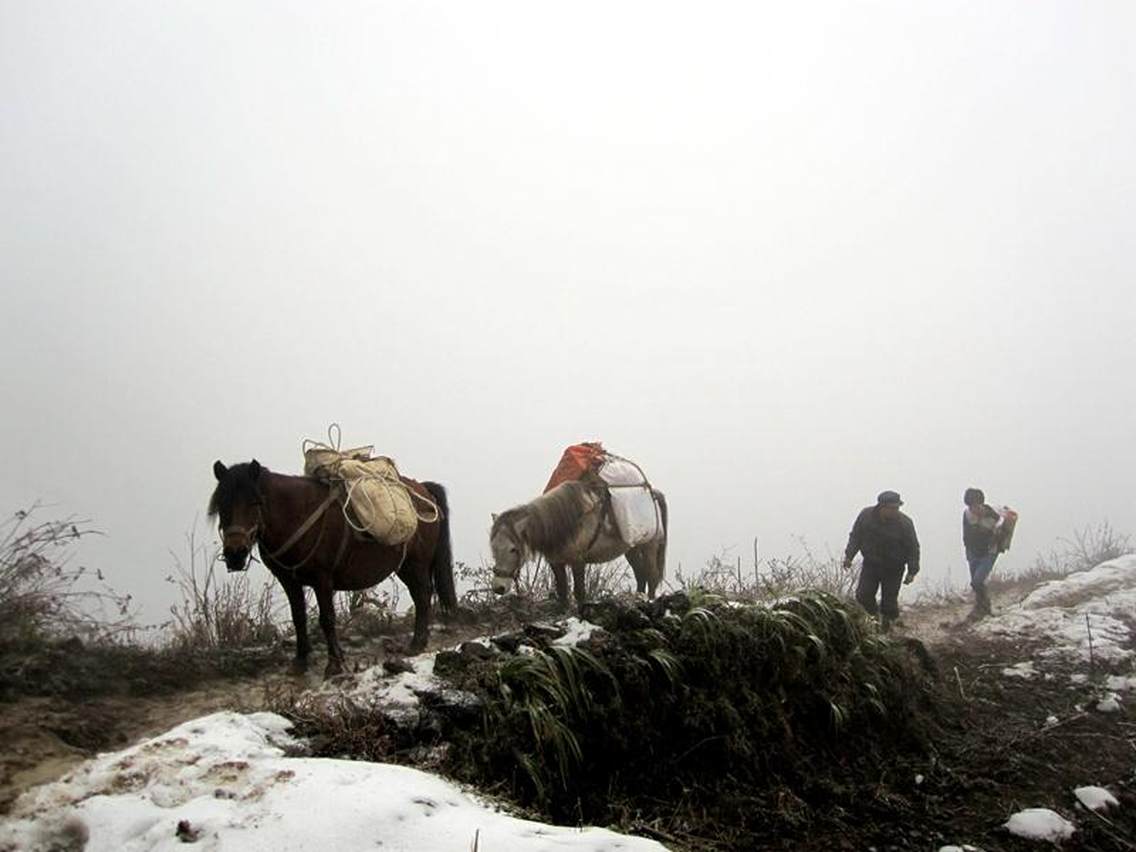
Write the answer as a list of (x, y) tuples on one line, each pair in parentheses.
[(632, 501), (374, 497), (578, 460)]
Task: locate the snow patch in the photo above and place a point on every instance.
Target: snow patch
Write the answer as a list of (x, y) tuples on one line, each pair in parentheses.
[(1087, 610), (1096, 798), (576, 631), (226, 780), (1108, 579), (1025, 670), (1040, 824), (1109, 704), (399, 695), (1120, 683)]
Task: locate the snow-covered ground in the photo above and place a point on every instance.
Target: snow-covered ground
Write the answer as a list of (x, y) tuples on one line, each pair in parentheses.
[(1090, 609), (398, 694), (225, 782)]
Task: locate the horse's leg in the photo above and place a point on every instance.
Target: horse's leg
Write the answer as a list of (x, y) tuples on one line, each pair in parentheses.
[(418, 580), (637, 559), (560, 576), (299, 607), (657, 563), (325, 597), (578, 583)]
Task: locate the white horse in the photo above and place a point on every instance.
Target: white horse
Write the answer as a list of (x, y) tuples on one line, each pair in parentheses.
[(573, 524)]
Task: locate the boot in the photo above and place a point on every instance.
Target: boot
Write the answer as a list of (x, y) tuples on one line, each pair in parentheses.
[(982, 602), (981, 606)]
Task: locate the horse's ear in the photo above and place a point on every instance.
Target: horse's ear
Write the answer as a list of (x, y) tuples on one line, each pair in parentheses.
[(254, 470), (219, 470), (493, 515)]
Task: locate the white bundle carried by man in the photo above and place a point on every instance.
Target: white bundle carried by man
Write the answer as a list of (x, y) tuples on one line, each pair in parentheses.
[(632, 501), (375, 499)]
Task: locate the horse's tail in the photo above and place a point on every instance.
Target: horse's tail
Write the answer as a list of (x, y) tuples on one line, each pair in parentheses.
[(442, 566), (662, 498)]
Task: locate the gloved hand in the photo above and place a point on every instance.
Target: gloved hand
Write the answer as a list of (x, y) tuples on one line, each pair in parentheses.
[(910, 578)]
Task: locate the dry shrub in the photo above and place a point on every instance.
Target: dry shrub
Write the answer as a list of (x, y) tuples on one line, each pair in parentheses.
[(64, 632), (342, 729), (1083, 549), (534, 582), (219, 610), (43, 596), (370, 612), (772, 578)]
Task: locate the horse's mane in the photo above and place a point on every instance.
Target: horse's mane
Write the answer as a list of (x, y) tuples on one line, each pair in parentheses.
[(552, 519), (238, 482)]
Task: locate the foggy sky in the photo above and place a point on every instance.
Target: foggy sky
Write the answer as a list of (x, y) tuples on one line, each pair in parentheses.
[(785, 256)]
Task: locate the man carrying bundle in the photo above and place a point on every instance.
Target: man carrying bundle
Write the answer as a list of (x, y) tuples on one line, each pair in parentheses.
[(986, 532), (886, 538)]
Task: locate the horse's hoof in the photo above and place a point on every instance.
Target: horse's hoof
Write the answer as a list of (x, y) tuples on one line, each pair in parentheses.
[(299, 666), (417, 646), (334, 667)]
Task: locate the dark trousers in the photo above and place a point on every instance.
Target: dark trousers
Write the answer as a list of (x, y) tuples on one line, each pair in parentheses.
[(886, 579)]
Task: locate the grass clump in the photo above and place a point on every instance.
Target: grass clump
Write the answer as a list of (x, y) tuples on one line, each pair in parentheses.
[(691, 712)]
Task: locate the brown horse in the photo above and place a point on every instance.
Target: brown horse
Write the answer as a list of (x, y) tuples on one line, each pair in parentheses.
[(305, 541), (573, 525)]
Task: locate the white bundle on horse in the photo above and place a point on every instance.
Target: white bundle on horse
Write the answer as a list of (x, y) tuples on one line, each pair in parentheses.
[(632, 502), (375, 499), (323, 461)]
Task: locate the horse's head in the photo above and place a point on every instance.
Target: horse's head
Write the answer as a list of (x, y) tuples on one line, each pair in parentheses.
[(236, 503), (509, 550)]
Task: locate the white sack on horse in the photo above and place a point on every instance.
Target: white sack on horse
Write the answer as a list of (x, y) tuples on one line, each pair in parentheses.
[(378, 500), (375, 500), (322, 461), (632, 503)]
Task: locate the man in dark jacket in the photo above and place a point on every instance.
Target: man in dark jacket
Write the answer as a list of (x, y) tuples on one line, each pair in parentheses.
[(886, 537)]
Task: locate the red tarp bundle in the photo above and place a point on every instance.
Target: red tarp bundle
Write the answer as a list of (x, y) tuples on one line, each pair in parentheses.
[(577, 460), (1004, 532)]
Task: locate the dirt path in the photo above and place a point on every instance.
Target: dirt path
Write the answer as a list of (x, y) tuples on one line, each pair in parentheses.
[(44, 737), (936, 624)]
